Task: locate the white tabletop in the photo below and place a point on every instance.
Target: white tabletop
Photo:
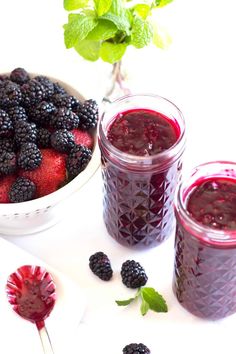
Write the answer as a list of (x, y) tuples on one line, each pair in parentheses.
[(197, 73)]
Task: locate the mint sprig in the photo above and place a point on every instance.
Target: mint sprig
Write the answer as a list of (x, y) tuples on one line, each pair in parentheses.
[(150, 300), (105, 28)]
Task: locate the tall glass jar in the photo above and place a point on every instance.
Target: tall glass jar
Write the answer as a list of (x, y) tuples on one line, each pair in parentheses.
[(205, 254), (139, 190)]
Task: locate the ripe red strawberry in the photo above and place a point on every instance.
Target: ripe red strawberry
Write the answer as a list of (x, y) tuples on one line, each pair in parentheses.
[(50, 175), (83, 138), (5, 186)]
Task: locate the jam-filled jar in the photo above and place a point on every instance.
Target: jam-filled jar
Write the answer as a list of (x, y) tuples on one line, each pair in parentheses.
[(142, 139), (205, 244)]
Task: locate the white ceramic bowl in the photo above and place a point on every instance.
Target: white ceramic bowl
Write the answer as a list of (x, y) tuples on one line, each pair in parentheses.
[(39, 214)]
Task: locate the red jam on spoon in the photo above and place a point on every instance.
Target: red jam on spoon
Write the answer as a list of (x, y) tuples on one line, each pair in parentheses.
[(32, 294)]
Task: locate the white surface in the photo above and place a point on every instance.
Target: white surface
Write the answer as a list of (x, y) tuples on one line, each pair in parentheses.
[(198, 73), (21, 336)]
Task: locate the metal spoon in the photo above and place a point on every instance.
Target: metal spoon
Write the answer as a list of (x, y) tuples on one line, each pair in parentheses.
[(32, 295)]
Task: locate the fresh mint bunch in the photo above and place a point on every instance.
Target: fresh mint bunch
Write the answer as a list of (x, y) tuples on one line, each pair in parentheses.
[(105, 28), (150, 300)]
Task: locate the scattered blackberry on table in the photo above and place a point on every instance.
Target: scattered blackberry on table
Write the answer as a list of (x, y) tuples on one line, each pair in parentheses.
[(88, 114), (133, 275), (62, 140), (136, 348), (25, 132), (29, 157), (33, 92), (77, 160), (10, 94), (100, 265), (64, 118), (6, 144), (19, 75), (41, 113), (17, 113), (7, 163), (22, 190), (6, 126), (47, 84), (43, 138)]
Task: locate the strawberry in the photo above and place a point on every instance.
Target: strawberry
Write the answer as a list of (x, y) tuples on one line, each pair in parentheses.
[(5, 186), (83, 138), (50, 175)]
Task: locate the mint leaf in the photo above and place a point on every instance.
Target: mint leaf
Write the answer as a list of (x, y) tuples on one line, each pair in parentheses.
[(155, 301), (78, 27), (88, 49), (71, 5), (161, 3), (103, 31), (111, 52), (144, 307), (119, 16), (117, 7), (125, 302), (121, 22), (102, 6), (161, 37), (142, 33), (143, 10)]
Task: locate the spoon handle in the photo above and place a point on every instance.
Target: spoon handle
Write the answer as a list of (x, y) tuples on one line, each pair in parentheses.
[(45, 340)]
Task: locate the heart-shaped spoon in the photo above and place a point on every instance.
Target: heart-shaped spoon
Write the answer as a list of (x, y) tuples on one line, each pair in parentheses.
[(32, 294)]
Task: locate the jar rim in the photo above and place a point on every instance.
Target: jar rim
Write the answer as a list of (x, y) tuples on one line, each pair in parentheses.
[(161, 158), (203, 232)]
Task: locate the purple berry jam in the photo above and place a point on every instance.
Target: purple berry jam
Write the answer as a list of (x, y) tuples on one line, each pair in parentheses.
[(213, 203), (205, 249), (142, 132), (139, 179)]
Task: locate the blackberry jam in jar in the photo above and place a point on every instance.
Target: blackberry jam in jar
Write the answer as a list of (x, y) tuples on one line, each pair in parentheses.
[(142, 139), (205, 244)]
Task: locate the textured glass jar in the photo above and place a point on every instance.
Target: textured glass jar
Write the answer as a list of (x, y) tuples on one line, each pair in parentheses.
[(139, 190), (205, 258)]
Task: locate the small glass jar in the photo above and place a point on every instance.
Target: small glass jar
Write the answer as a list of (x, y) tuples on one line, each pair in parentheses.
[(205, 257), (139, 190)]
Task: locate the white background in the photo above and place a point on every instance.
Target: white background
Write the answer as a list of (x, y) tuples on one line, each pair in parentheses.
[(197, 73)]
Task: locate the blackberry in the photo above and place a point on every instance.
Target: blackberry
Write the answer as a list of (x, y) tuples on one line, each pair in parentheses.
[(77, 160), (58, 88), (7, 163), (47, 84), (3, 77), (41, 113), (88, 114), (22, 190), (6, 126), (64, 119), (135, 348), (100, 265), (7, 145), (65, 100), (33, 92), (20, 76), (62, 140), (29, 157), (43, 138), (133, 275), (17, 113), (10, 94), (25, 132)]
